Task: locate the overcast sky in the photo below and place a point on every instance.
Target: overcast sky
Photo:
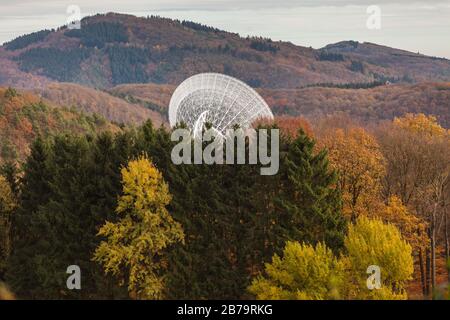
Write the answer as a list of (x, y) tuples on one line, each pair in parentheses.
[(418, 26)]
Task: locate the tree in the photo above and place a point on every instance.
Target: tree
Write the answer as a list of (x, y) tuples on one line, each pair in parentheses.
[(11, 173), (309, 201), (307, 272), (26, 230), (304, 272), (71, 184), (229, 220), (421, 123), (68, 190), (370, 242), (7, 206), (138, 241), (412, 228), (11, 93), (357, 157), (417, 152)]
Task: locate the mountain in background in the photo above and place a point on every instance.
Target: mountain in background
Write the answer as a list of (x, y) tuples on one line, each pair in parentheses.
[(125, 68), (115, 49)]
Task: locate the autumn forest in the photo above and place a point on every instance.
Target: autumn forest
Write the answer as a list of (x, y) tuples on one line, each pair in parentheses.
[(359, 209)]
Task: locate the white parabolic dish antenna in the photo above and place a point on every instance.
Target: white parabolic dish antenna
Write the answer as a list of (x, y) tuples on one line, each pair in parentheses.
[(218, 99)]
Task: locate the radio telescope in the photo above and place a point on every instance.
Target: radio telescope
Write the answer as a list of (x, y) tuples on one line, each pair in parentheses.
[(217, 99)]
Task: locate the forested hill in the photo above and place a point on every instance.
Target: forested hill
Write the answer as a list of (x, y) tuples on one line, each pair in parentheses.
[(25, 116), (368, 104), (116, 49), (94, 101)]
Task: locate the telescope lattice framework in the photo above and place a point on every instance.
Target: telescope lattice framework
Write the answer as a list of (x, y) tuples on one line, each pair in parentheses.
[(218, 99)]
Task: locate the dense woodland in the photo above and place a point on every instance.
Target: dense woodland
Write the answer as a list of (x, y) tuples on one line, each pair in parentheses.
[(363, 179), (367, 103), (98, 34), (384, 102), (24, 117), (141, 227), (25, 40), (61, 65)]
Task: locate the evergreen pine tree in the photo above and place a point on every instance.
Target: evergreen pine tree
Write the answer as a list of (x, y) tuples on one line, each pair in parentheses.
[(26, 229), (310, 203)]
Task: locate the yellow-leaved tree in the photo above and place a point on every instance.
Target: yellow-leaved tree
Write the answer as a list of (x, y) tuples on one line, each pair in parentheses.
[(373, 243), (307, 272), (303, 273), (421, 123), (135, 244)]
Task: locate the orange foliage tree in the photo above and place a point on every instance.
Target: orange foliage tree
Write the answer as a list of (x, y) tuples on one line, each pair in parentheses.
[(357, 157)]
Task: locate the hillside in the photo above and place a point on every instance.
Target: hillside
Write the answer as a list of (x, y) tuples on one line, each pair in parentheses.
[(116, 49), (125, 68), (414, 67), (372, 104), (367, 105), (24, 116), (95, 101)]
